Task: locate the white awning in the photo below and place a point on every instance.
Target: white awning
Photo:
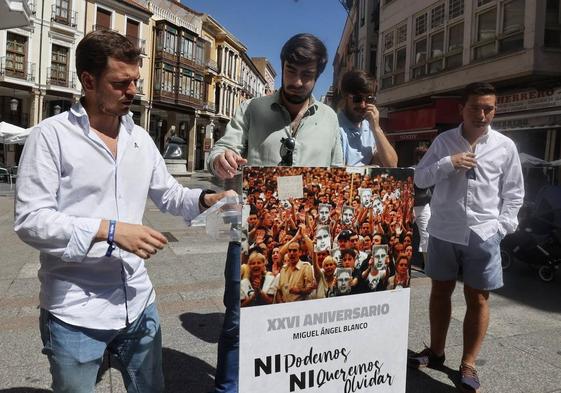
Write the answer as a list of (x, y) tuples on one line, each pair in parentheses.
[(11, 134)]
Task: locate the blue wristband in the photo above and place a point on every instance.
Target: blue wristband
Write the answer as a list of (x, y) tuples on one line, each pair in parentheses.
[(111, 238)]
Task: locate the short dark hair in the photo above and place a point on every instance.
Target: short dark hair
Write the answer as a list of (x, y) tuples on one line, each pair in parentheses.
[(478, 89), (304, 48), (97, 46), (358, 81), (348, 251)]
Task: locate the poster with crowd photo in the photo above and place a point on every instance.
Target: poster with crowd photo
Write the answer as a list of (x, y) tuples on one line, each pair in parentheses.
[(325, 279)]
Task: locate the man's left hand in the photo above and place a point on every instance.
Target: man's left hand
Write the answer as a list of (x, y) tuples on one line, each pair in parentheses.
[(211, 199), (373, 116)]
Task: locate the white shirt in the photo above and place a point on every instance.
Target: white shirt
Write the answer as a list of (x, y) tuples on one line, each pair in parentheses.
[(68, 181), (488, 204)]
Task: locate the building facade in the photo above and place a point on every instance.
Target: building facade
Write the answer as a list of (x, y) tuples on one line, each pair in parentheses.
[(429, 50), (235, 78), (37, 69), (179, 87), (358, 45), (193, 72), (228, 84), (426, 52), (253, 83), (267, 71)]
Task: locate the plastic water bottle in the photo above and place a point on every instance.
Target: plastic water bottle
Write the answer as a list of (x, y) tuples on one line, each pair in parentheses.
[(223, 220)]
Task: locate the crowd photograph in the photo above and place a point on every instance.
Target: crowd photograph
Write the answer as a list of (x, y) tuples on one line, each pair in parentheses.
[(348, 231)]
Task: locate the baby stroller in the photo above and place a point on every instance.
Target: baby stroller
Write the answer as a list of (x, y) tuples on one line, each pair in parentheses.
[(538, 238)]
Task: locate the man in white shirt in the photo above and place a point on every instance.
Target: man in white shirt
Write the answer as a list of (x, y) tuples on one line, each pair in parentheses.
[(83, 180), (478, 190)]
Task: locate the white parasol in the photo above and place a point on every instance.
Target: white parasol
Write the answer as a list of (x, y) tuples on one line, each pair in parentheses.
[(11, 134)]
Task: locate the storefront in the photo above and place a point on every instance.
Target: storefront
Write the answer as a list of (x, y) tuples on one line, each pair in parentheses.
[(532, 118), (415, 127)]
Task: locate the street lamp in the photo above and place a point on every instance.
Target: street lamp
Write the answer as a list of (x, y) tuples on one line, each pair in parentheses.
[(14, 103), (182, 132), (209, 129), (159, 125), (57, 109)]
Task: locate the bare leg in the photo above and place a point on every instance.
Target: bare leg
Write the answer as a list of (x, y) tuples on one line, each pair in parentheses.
[(440, 311), (476, 322)]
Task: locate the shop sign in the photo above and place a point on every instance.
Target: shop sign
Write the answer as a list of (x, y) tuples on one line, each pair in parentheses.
[(529, 100), (411, 136), (526, 122)]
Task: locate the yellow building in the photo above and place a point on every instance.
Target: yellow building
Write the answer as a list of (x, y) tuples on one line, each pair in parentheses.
[(228, 86)]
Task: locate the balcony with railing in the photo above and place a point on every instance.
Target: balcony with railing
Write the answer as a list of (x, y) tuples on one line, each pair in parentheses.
[(189, 100), (139, 43), (166, 53), (193, 62), (15, 69), (209, 107), (62, 78), (63, 15), (165, 93)]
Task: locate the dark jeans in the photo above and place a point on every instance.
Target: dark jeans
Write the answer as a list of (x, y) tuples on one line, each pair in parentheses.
[(226, 379)]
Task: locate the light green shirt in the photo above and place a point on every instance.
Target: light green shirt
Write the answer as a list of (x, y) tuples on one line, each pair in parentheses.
[(256, 130)]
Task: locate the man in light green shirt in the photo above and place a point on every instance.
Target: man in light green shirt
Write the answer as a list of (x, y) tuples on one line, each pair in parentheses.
[(260, 124), (289, 128)]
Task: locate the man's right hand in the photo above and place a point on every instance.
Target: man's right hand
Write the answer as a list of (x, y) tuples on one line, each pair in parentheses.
[(464, 161), (137, 239), (226, 164)]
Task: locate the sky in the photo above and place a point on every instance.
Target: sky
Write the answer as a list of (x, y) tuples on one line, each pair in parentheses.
[(263, 26)]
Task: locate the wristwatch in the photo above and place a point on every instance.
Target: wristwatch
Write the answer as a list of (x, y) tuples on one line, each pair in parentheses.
[(202, 202)]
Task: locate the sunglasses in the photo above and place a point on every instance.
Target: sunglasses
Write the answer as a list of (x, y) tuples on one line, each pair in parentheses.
[(359, 98), (286, 151)]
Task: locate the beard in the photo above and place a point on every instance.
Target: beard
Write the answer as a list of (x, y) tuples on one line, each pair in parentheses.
[(295, 98)]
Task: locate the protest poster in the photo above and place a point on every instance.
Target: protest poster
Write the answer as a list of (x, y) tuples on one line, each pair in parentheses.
[(325, 279)]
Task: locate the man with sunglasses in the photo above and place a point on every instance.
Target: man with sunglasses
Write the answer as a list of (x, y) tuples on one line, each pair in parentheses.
[(478, 190), (288, 128), (362, 138)]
